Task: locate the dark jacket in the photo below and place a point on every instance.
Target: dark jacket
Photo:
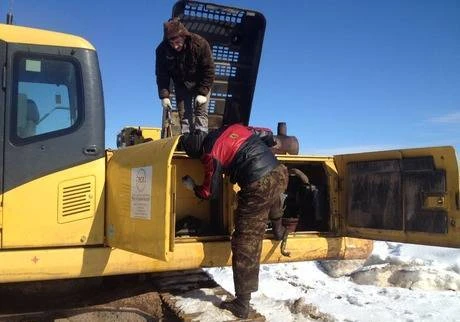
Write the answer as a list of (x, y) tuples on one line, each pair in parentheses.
[(192, 68), (241, 152)]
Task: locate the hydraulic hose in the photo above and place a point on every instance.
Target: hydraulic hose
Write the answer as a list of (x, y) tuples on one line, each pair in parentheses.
[(284, 243)]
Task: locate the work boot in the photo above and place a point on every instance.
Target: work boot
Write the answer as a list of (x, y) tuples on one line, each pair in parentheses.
[(239, 306), (182, 141), (278, 229)]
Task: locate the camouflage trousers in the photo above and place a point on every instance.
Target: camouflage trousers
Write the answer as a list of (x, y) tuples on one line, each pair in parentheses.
[(192, 117), (257, 202)]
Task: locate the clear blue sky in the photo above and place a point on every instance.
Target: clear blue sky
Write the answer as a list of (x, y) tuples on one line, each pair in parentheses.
[(346, 76)]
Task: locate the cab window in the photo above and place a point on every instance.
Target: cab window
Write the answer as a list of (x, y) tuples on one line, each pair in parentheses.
[(46, 100)]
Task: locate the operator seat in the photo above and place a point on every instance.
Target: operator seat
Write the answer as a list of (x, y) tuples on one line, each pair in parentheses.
[(28, 117)]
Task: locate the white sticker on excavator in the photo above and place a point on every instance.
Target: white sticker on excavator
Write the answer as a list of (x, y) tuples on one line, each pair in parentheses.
[(141, 192), (33, 65)]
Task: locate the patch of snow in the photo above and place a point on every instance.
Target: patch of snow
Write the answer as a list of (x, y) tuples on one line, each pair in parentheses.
[(399, 282)]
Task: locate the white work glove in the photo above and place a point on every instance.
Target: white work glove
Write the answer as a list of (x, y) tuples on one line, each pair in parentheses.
[(188, 182), (166, 103), (200, 100)]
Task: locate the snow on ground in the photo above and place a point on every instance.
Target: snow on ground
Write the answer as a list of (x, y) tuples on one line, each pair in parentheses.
[(399, 282)]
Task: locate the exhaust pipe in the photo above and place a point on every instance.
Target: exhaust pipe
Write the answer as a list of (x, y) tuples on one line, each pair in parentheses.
[(9, 18), (285, 144)]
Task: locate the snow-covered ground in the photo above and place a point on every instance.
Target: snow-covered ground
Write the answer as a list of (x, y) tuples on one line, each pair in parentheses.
[(399, 282)]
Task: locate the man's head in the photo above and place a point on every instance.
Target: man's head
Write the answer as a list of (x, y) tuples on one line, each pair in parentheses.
[(175, 33), (193, 144)]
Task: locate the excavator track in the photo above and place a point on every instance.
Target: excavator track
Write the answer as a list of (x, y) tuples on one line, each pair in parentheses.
[(141, 297)]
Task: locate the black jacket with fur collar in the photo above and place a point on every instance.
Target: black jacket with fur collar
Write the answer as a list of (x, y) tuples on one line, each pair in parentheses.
[(192, 68)]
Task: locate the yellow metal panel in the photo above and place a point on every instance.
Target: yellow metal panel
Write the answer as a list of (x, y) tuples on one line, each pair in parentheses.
[(1, 219), (173, 207), (186, 202), (436, 202), (445, 159), (1, 215), (333, 186), (153, 133), (139, 198), (31, 215), (76, 199), (25, 35), (59, 263)]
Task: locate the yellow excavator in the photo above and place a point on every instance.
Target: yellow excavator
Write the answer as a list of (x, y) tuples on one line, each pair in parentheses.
[(70, 208)]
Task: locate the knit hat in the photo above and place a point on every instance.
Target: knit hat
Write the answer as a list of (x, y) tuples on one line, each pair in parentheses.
[(174, 28)]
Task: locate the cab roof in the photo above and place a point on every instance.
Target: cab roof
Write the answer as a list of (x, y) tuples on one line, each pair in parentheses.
[(26, 35)]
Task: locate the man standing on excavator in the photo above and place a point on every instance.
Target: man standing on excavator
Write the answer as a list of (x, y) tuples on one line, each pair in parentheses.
[(186, 58), (244, 154)]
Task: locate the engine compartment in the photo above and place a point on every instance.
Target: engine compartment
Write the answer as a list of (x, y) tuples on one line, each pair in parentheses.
[(306, 199)]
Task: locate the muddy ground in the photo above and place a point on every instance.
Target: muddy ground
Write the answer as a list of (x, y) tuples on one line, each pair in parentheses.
[(123, 298)]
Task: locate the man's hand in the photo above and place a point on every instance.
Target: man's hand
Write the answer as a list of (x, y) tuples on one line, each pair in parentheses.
[(188, 182), (201, 193), (200, 100), (166, 103)]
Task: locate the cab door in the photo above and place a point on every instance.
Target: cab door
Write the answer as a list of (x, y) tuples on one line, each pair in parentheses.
[(53, 151), (403, 195), (140, 198)]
